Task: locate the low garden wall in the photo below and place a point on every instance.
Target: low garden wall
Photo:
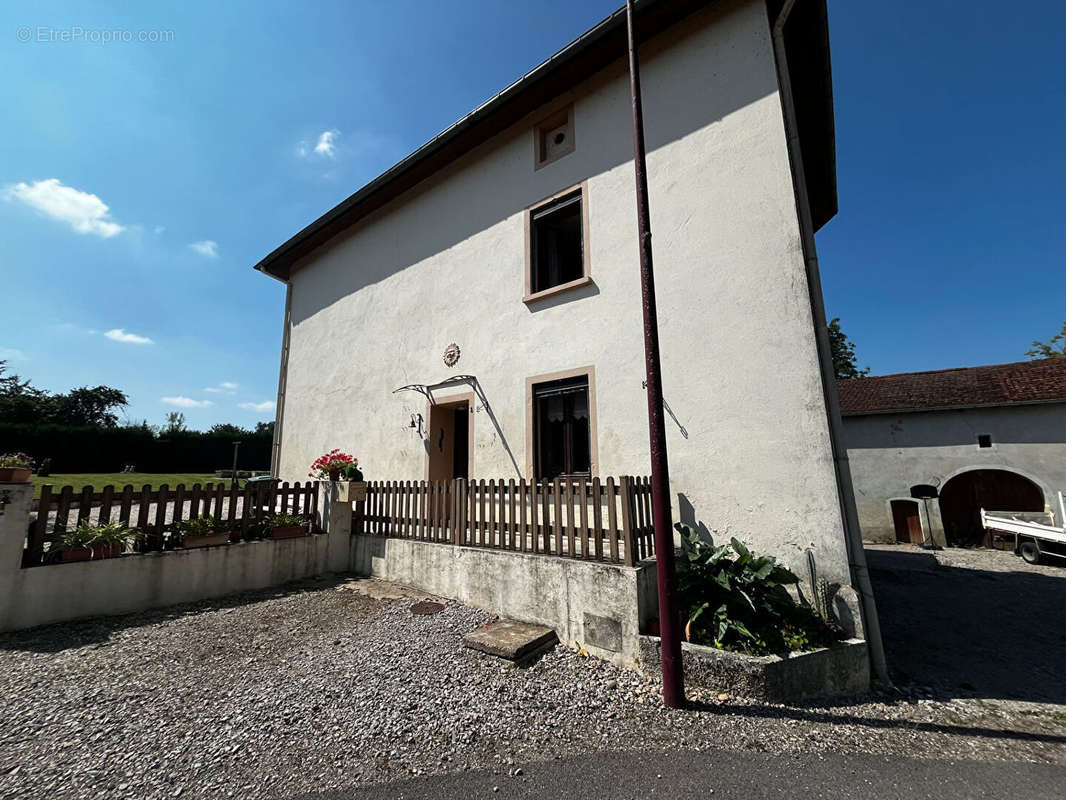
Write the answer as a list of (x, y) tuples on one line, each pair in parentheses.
[(839, 671), (599, 606), (48, 593)]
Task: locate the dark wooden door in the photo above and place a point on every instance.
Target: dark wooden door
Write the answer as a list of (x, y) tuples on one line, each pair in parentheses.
[(907, 518)]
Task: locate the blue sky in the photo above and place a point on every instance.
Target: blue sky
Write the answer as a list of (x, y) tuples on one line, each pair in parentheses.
[(142, 180)]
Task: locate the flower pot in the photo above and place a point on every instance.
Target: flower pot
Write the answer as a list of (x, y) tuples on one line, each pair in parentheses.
[(334, 474), (14, 474), (351, 491), (212, 540), (288, 532), (94, 553)]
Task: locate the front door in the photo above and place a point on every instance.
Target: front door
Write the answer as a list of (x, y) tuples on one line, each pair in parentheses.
[(908, 521), (448, 441)]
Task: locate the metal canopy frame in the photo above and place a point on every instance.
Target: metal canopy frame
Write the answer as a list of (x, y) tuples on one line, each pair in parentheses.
[(428, 389)]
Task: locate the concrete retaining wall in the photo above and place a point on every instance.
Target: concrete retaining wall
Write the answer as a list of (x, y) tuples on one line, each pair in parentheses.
[(598, 606), (60, 592)]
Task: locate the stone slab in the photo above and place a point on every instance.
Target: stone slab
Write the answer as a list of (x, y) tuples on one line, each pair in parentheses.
[(512, 640)]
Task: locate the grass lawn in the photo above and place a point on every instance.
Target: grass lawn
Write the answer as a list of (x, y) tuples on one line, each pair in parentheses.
[(98, 481)]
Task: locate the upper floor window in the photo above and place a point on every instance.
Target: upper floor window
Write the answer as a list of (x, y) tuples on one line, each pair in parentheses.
[(557, 243), (553, 138)]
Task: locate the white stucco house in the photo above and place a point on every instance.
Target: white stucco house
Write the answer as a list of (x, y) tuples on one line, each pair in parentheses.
[(476, 310), (928, 450)]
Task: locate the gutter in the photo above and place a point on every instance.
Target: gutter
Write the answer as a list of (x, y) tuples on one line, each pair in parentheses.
[(845, 491)]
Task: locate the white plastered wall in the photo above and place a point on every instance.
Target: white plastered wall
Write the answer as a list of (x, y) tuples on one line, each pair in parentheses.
[(445, 263)]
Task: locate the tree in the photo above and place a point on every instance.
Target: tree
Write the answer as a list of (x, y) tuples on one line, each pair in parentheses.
[(843, 351), (229, 429), (87, 406), (175, 423), (265, 429), (1055, 347), (20, 401)]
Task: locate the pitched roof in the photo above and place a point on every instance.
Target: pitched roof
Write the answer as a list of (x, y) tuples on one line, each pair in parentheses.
[(807, 45), (1039, 381)]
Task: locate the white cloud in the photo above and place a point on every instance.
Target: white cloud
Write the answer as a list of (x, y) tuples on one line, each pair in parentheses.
[(326, 146), (266, 405), (119, 335), (226, 387), (12, 354), (186, 402), (206, 248), (85, 212)]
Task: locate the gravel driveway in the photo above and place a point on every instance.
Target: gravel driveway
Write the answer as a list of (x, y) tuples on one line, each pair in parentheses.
[(321, 686), (972, 622)]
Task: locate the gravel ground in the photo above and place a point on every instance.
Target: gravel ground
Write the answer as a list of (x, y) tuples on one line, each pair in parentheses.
[(320, 686)]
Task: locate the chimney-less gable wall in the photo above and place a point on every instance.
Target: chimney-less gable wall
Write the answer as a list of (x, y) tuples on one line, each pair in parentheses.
[(446, 263)]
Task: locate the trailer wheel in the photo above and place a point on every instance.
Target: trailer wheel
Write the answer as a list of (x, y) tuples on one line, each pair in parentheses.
[(1030, 552)]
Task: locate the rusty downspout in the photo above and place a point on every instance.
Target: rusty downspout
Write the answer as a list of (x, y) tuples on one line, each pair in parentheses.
[(845, 491), (669, 620)]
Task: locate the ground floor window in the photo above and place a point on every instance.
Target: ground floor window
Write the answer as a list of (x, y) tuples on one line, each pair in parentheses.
[(561, 429)]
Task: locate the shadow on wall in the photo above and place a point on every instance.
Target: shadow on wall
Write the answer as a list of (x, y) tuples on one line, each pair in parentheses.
[(971, 632), (677, 102)]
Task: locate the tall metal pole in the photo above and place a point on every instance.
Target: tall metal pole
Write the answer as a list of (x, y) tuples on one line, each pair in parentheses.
[(669, 622), (233, 475)]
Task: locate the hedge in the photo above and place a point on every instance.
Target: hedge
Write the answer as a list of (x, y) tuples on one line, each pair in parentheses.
[(91, 449)]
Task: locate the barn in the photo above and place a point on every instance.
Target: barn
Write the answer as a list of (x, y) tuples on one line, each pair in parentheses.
[(928, 450)]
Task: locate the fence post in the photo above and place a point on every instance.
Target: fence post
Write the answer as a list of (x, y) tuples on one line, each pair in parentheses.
[(459, 512), (335, 518), (625, 484), (15, 501)]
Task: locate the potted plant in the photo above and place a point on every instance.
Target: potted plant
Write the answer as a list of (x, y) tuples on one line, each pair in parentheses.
[(286, 526), (329, 466), (201, 532), (353, 488), (90, 542), (15, 468)]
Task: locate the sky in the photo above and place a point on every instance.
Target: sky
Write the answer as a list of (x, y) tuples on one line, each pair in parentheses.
[(153, 153)]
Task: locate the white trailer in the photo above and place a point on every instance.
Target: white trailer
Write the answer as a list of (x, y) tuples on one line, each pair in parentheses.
[(1032, 540)]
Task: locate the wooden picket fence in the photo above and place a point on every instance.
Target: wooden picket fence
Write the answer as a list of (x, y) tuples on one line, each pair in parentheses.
[(152, 512), (607, 520)]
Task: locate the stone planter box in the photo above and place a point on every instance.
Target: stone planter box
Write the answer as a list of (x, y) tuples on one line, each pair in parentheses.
[(289, 532), (213, 540), (843, 670), (351, 491), (94, 553)]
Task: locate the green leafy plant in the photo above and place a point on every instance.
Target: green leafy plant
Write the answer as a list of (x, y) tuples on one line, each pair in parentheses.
[(199, 526), (97, 536), (284, 521), (735, 600)]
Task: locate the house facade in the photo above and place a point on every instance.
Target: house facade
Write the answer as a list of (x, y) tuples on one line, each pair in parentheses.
[(476, 311), (928, 450)]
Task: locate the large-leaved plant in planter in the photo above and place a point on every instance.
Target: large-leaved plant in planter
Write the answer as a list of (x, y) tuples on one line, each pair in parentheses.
[(735, 600)]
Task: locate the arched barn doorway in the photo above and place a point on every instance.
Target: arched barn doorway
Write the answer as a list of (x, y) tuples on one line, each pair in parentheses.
[(963, 497)]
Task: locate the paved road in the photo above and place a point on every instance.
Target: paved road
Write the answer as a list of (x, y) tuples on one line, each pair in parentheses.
[(733, 776)]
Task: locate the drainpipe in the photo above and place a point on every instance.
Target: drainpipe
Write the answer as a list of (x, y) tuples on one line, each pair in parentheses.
[(845, 491), (669, 620), (279, 407)]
